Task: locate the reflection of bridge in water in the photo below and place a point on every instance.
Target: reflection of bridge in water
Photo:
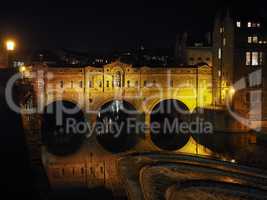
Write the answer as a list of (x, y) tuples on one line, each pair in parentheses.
[(115, 93)]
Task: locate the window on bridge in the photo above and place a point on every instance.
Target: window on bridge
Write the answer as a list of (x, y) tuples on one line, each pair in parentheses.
[(61, 84)]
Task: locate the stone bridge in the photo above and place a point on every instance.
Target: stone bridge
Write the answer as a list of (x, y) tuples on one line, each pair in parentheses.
[(150, 94)]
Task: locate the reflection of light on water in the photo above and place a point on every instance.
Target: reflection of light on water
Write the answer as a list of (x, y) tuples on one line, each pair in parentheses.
[(224, 159), (233, 161)]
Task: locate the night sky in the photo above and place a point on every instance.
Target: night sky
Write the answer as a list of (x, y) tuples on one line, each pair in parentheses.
[(105, 25)]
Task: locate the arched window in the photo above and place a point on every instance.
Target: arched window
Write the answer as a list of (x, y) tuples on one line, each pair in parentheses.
[(61, 84), (117, 79), (71, 84), (145, 83)]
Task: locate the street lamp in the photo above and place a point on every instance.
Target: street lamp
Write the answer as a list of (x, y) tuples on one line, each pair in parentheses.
[(10, 47)]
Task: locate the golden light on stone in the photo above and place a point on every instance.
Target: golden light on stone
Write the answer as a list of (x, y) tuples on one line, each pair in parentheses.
[(232, 90), (22, 69)]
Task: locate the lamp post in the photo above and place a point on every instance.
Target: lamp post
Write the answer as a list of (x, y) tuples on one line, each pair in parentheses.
[(10, 47)]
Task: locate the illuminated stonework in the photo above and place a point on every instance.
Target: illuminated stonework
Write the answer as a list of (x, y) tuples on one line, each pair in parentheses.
[(90, 88)]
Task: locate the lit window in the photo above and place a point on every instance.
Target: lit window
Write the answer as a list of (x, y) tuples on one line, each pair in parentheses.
[(258, 25), (255, 58), (249, 24), (224, 41), (219, 53), (249, 40), (254, 25), (238, 24), (219, 73), (261, 59), (90, 84), (255, 39), (171, 83), (221, 30), (248, 58), (117, 79)]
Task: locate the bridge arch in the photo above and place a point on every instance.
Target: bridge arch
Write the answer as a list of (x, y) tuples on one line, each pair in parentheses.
[(166, 131), (63, 128), (118, 126)]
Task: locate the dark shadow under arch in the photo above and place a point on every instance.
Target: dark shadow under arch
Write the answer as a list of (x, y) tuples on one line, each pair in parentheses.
[(164, 116), (57, 134), (120, 114)]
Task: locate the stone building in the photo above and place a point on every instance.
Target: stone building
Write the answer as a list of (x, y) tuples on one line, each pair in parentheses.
[(239, 54)]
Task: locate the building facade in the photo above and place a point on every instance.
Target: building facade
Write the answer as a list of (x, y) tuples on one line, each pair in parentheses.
[(239, 60)]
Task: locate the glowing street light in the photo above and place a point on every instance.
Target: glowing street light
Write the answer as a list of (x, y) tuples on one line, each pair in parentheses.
[(10, 45), (232, 91)]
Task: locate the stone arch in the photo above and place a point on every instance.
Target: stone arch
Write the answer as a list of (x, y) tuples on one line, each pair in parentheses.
[(58, 99), (167, 116), (63, 132), (117, 126), (151, 105)]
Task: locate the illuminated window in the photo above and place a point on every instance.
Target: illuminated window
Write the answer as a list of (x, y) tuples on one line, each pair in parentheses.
[(249, 24), (219, 53), (261, 59), (145, 83), (90, 84), (219, 73), (248, 58), (255, 39), (224, 41), (221, 30), (117, 79), (238, 24), (258, 25), (171, 83), (61, 84), (255, 58)]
